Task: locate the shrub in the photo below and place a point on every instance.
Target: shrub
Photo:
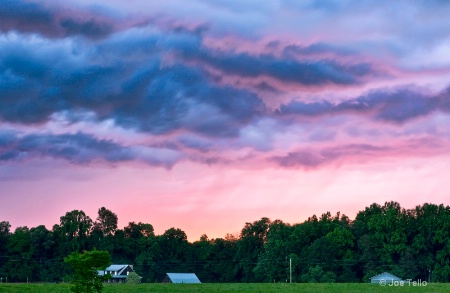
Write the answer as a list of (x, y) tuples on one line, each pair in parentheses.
[(133, 278)]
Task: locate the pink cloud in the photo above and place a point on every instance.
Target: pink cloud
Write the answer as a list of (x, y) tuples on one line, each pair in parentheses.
[(204, 116)]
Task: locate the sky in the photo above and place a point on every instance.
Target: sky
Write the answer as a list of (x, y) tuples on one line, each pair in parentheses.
[(207, 114)]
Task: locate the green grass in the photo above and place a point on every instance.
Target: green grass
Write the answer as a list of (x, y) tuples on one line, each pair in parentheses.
[(199, 288)]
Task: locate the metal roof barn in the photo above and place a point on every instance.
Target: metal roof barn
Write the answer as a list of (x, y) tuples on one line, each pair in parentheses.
[(186, 278), (385, 277)]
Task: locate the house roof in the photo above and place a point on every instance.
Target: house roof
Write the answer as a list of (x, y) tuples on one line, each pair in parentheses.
[(187, 278), (385, 276), (115, 268)]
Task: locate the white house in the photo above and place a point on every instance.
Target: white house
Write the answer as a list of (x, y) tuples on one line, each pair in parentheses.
[(118, 273)]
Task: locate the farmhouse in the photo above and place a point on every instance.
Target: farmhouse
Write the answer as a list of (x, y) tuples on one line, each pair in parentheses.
[(118, 273), (186, 278), (385, 277)]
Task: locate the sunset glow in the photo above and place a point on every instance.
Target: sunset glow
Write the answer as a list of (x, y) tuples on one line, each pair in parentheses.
[(203, 115)]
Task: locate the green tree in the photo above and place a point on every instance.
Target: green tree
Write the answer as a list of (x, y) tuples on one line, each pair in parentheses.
[(106, 221), (407, 267), (20, 265), (133, 278), (139, 247), (73, 230), (147, 249), (44, 246), (383, 238), (134, 233), (174, 251), (221, 267), (84, 267), (389, 233), (119, 244), (138, 230), (316, 274), (342, 242), (4, 233), (250, 245), (273, 264), (202, 254), (4, 237), (430, 240), (102, 232)]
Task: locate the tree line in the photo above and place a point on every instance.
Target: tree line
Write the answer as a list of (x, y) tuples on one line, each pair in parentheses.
[(410, 243)]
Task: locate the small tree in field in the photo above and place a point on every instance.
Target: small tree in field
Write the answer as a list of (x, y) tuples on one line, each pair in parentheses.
[(133, 278), (85, 278)]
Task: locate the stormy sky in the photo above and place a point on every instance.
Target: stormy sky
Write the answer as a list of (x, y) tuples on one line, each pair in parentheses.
[(204, 115)]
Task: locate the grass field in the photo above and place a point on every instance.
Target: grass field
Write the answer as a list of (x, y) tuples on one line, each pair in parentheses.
[(187, 288)]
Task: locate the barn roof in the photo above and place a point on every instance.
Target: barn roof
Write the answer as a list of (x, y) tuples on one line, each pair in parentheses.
[(385, 276), (187, 278)]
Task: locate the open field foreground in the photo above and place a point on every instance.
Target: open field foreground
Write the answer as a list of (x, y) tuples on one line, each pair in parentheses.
[(186, 288)]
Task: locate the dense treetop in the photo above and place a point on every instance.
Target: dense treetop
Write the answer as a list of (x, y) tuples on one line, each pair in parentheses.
[(410, 243)]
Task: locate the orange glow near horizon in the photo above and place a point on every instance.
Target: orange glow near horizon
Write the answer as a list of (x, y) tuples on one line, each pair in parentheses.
[(216, 201)]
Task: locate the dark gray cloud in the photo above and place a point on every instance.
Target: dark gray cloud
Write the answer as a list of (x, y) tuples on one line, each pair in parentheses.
[(25, 16), (315, 158), (196, 143), (396, 106), (89, 28), (135, 91), (301, 71), (300, 158), (138, 80), (79, 148), (159, 81), (39, 17), (293, 51)]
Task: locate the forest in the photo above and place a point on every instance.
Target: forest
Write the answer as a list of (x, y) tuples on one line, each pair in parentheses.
[(409, 243)]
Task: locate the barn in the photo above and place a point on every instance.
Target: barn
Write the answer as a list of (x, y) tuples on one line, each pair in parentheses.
[(179, 278), (385, 277)]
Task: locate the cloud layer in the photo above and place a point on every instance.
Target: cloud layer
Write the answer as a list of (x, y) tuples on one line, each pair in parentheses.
[(172, 112), (200, 89)]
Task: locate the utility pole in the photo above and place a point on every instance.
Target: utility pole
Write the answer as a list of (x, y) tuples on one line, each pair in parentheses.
[(290, 270)]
